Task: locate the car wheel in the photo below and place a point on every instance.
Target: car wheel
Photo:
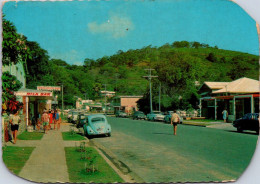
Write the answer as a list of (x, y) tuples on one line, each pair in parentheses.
[(239, 129), (109, 134)]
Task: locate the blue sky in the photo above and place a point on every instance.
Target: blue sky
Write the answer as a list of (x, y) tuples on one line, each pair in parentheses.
[(76, 30)]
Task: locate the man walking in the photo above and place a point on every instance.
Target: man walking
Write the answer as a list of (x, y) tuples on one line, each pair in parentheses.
[(174, 121)]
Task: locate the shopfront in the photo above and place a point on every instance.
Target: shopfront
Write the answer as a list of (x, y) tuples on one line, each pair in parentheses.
[(34, 103)]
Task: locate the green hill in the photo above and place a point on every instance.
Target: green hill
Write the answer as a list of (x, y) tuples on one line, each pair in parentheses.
[(177, 66)]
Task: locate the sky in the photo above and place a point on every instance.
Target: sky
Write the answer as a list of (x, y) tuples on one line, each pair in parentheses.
[(75, 30)]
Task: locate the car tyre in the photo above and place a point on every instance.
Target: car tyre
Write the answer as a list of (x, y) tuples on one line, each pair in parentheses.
[(239, 129), (109, 134)]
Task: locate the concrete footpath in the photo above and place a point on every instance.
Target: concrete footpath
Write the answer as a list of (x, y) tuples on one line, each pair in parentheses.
[(47, 162)]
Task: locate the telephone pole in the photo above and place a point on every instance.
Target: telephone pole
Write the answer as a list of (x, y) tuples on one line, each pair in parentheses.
[(105, 98), (150, 76), (160, 97)]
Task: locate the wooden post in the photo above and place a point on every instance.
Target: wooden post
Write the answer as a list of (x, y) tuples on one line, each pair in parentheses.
[(252, 104), (215, 109), (234, 107)]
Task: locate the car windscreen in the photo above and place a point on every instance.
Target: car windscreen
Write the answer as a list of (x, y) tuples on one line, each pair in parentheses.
[(157, 112), (97, 119), (139, 112)]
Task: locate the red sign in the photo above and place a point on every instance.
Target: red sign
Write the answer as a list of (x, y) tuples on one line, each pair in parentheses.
[(49, 88), (38, 94)]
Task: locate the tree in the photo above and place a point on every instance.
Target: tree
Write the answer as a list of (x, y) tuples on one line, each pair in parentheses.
[(14, 45), (211, 57), (39, 70), (9, 85)]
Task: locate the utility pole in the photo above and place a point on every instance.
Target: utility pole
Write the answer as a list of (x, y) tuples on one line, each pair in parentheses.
[(150, 80), (105, 98), (62, 99), (160, 97)]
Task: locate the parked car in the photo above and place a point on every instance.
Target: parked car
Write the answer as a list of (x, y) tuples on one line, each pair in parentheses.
[(139, 115), (155, 116), (74, 116), (121, 114), (82, 119), (168, 116), (249, 121), (69, 116), (97, 124)]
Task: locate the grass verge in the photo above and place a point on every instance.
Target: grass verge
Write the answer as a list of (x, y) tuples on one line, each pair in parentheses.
[(77, 168), (30, 135), (16, 157), (69, 136)]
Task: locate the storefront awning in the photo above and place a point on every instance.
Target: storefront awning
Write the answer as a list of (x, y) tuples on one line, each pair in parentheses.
[(39, 94)]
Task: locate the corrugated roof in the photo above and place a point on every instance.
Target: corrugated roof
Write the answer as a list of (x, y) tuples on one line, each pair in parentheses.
[(242, 85), (216, 85)]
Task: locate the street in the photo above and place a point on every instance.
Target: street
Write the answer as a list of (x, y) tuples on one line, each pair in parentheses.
[(196, 154)]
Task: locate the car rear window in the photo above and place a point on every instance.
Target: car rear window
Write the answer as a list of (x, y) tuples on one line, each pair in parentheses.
[(93, 120)]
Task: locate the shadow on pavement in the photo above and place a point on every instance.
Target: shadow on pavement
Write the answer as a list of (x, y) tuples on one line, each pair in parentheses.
[(162, 133), (249, 133)]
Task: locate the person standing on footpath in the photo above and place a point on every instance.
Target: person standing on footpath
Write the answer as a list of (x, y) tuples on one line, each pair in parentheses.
[(225, 115), (54, 118), (175, 119), (57, 117), (50, 119), (59, 120), (45, 120), (14, 121)]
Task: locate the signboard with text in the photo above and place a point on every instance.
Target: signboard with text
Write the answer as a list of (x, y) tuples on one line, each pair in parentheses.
[(33, 93), (49, 88)]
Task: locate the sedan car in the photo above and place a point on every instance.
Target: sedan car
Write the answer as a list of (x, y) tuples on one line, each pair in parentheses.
[(249, 121), (168, 116), (155, 116), (82, 119), (97, 124), (74, 116), (139, 115), (121, 114)]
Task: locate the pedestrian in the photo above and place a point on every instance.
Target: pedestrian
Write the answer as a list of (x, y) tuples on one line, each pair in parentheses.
[(175, 119), (45, 120), (225, 115), (50, 119), (14, 121), (57, 117), (54, 118)]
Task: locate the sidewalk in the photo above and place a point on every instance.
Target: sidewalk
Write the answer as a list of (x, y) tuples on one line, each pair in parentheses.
[(47, 162), (213, 124)]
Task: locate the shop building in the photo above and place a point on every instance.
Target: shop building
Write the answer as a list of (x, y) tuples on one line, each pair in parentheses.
[(237, 97), (127, 104)]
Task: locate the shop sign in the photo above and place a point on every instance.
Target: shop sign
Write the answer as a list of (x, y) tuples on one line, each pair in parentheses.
[(38, 94), (32, 94), (49, 88)]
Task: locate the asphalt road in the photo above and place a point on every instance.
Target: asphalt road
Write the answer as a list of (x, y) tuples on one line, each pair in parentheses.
[(196, 154)]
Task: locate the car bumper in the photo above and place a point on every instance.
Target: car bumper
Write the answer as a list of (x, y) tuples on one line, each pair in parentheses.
[(159, 118)]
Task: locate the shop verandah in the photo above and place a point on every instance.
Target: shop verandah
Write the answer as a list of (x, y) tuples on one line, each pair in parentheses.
[(236, 105)]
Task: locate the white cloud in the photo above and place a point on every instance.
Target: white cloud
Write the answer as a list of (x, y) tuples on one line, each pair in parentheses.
[(116, 26)]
